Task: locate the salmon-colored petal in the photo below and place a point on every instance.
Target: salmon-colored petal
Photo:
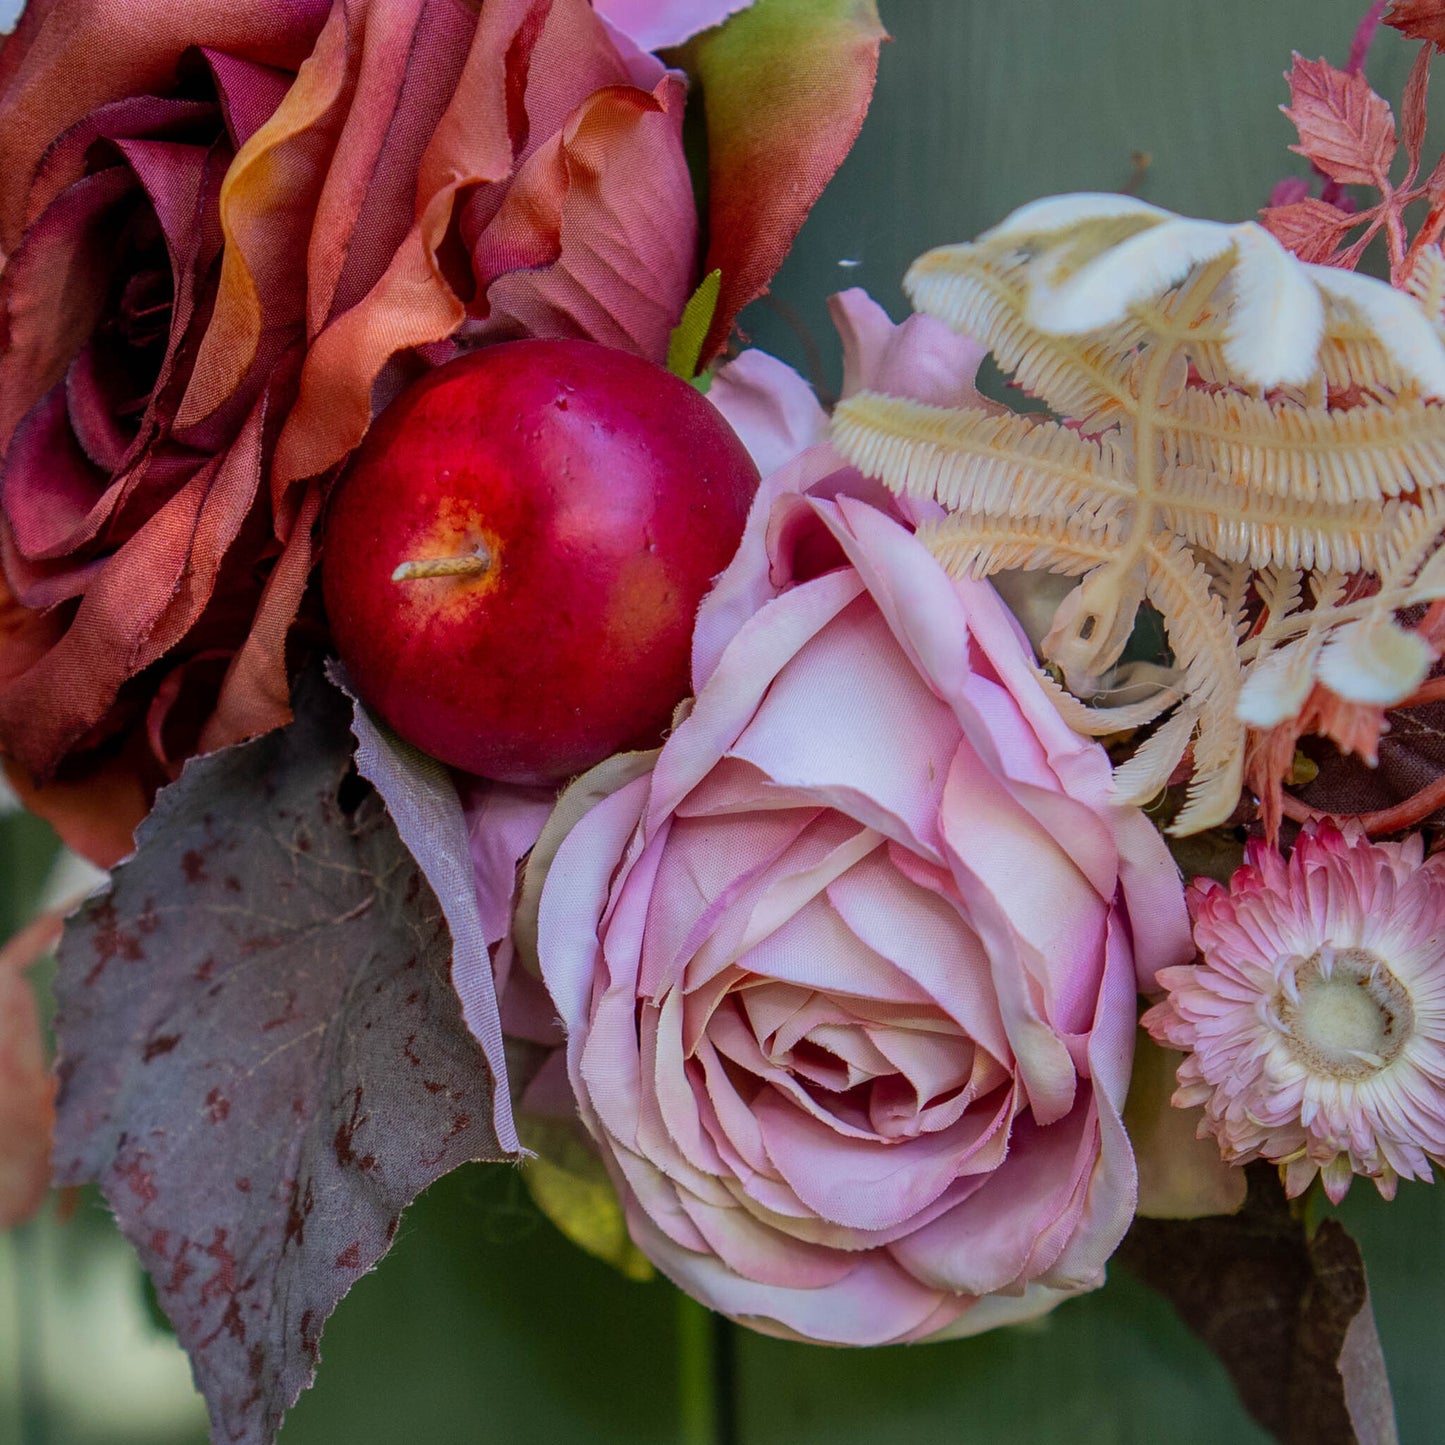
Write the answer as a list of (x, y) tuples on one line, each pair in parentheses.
[(409, 54), (140, 603), (412, 303), (267, 202), (75, 55), (785, 89), (597, 236), (256, 693), (97, 811)]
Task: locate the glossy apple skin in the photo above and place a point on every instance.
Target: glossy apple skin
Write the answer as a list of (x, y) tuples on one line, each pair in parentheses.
[(609, 495)]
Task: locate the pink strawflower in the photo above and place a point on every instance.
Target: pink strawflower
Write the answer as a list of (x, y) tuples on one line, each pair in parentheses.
[(1315, 1022)]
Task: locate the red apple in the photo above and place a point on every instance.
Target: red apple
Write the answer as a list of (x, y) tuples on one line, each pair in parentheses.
[(514, 561)]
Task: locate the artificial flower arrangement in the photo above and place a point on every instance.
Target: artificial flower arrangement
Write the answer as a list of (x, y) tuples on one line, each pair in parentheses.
[(525, 729)]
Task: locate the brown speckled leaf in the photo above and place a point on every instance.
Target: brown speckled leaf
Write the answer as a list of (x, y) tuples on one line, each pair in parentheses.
[(262, 1057), (1288, 1315)]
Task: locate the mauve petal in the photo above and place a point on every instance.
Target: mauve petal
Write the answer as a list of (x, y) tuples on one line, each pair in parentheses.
[(1043, 1062), (761, 1254), (97, 429), (503, 822), (744, 673), (772, 1202), (729, 1120), (249, 93), (771, 408), (1081, 766), (670, 1120), (875, 1304), (922, 359), (548, 1094), (859, 1062), (998, 1310), (924, 937), (734, 786), (661, 1150), (1153, 896), (829, 847), (863, 1183), (701, 873), (1112, 1187), (656, 24), (574, 900), (54, 497), (879, 741), (921, 604), (929, 1064), (647, 1190), (608, 1072), (782, 1013), (1051, 907), (735, 1041), (745, 586), (525, 1007), (53, 289), (815, 949), (984, 1244)]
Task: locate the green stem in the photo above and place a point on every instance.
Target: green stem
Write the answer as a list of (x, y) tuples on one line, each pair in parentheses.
[(697, 1384)]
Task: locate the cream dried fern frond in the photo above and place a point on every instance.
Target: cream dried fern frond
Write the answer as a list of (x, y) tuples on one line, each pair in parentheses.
[(1224, 417)]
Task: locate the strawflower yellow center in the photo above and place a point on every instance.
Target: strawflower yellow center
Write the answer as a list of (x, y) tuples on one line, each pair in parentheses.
[(1346, 1016)]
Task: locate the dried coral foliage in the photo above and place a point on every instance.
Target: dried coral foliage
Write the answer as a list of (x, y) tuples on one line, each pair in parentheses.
[(1252, 444)]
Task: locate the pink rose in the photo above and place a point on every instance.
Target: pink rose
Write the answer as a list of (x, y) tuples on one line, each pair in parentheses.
[(654, 24), (849, 977)]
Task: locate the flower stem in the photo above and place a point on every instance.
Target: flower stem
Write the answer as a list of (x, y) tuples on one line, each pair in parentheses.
[(698, 1385)]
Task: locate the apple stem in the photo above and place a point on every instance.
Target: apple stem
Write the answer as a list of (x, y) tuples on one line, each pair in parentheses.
[(471, 564)]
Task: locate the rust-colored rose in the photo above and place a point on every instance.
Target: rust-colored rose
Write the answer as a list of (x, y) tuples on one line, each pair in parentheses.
[(231, 231)]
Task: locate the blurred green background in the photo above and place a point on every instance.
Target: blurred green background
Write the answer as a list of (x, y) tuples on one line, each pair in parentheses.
[(485, 1326)]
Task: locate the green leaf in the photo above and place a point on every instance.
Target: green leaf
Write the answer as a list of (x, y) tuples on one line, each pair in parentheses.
[(785, 87), (570, 1186), (684, 347), (1180, 1175)]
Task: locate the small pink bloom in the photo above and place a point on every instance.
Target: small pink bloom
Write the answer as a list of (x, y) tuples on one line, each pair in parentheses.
[(848, 978), (1315, 1023), (655, 24)]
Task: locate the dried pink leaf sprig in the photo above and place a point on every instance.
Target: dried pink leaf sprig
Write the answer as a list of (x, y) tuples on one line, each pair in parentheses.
[(1315, 1020)]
